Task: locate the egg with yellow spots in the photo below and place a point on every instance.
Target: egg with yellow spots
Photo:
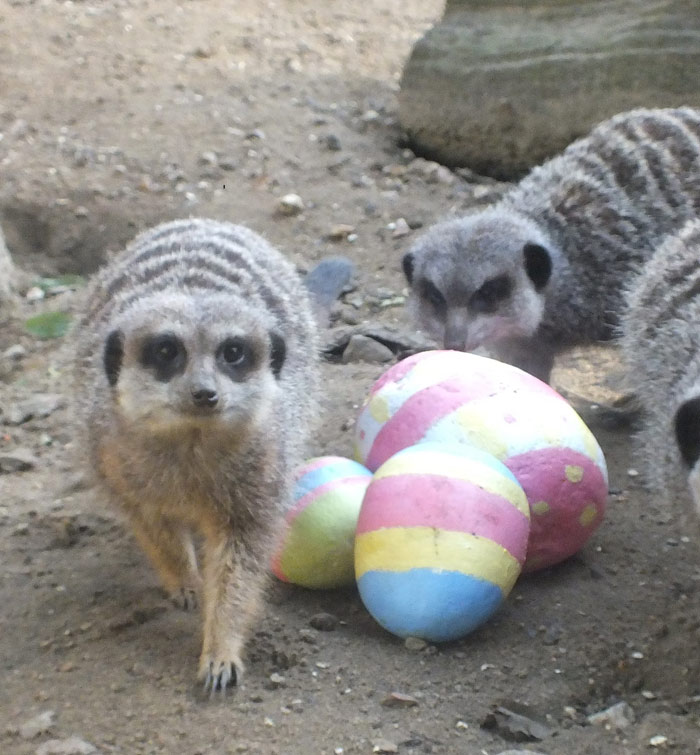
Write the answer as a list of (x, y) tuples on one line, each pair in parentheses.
[(455, 397)]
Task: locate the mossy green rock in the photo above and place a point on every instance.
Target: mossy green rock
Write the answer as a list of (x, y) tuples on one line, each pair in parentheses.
[(500, 86)]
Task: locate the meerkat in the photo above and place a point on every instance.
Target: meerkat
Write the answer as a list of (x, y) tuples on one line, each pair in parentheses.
[(196, 374), (543, 269), (660, 337)]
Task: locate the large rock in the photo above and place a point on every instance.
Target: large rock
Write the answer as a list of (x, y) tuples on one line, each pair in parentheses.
[(500, 86)]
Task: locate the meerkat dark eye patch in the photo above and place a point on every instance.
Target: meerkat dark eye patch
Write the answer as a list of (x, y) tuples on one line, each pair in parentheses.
[(278, 352), (490, 295), (236, 356), (432, 294), (113, 355), (165, 354), (407, 263), (687, 425), (538, 264)]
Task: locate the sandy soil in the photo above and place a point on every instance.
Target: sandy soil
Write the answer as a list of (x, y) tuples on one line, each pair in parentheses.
[(115, 115)]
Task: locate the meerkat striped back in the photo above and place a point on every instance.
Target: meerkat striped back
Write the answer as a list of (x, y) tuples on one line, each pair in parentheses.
[(201, 257), (661, 346), (635, 176)]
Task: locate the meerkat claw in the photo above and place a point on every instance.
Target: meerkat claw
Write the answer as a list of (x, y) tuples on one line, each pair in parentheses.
[(220, 680), (185, 598)]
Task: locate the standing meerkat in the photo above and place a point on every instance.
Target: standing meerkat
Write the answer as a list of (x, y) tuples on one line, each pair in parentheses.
[(661, 347), (195, 381), (543, 269)]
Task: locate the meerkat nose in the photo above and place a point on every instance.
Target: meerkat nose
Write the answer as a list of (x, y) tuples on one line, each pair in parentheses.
[(455, 344), (456, 330), (205, 397)]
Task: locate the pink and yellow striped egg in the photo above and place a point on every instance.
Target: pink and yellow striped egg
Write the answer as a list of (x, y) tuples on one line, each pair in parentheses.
[(316, 546), (441, 539), (455, 397)]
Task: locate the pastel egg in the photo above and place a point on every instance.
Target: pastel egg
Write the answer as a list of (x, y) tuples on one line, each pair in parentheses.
[(441, 539), (456, 397), (316, 545)]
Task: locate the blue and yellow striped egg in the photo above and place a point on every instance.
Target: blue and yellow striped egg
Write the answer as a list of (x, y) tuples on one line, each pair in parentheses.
[(316, 546), (453, 397), (441, 539)]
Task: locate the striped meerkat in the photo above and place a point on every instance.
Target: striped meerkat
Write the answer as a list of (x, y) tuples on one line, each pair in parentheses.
[(543, 269), (195, 380), (661, 347)]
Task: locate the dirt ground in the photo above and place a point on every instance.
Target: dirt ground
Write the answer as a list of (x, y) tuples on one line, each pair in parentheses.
[(117, 114)]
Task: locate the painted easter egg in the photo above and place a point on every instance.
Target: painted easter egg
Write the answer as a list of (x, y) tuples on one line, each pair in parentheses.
[(455, 397), (316, 546), (441, 539)]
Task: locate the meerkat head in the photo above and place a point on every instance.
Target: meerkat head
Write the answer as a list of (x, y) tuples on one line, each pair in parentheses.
[(687, 428), (479, 280), (175, 363)]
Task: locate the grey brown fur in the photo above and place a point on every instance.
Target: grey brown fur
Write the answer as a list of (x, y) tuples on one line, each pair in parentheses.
[(661, 347), (195, 377), (561, 244)]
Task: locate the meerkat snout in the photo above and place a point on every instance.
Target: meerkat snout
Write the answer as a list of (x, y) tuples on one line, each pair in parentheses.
[(206, 398)]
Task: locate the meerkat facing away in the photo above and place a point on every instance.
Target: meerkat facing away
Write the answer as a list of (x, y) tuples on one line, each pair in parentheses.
[(195, 379), (543, 269), (661, 347)]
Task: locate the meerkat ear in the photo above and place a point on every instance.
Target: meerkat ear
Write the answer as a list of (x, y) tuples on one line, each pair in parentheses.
[(538, 264), (113, 355), (687, 425), (407, 264), (278, 352)]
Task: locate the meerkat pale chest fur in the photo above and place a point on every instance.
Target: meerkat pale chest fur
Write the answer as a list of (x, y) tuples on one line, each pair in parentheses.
[(661, 348), (195, 376), (543, 269)]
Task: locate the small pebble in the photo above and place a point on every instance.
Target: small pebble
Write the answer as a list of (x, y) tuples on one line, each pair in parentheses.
[(658, 741), (69, 746), (40, 405), (37, 725), (290, 204), (19, 460), (208, 158), (365, 349), (333, 143), (324, 622), (399, 700), (480, 192), (384, 745), (618, 716), (308, 636), (15, 352), (415, 644), (340, 232), (35, 294), (401, 228)]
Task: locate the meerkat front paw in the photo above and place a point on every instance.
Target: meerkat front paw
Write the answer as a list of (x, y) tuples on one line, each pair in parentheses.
[(218, 673)]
